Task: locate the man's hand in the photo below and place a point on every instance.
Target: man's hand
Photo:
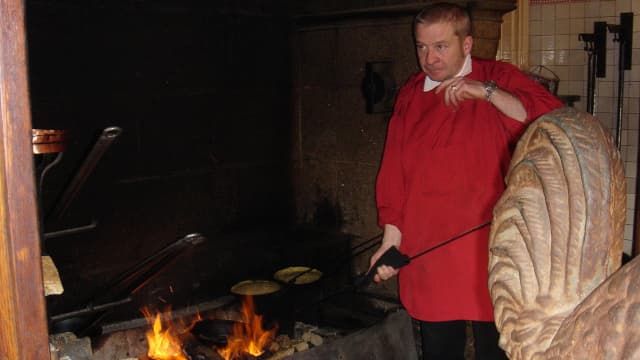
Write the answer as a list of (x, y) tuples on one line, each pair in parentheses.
[(392, 237), (458, 89)]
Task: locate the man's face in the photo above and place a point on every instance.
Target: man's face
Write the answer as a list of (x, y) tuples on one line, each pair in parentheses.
[(440, 51)]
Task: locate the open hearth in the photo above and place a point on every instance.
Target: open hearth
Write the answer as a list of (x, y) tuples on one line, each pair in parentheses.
[(336, 330)]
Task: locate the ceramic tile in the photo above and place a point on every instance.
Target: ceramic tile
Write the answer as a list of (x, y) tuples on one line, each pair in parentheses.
[(634, 108), (535, 43), (562, 71), (611, 57), (562, 42), (562, 11), (577, 57), (576, 10), (576, 86), (611, 45), (632, 155), (628, 234), (576, 26), (623, 6), (611, 72), (548, 26), (629, 120), (634, 90), (630, 168), (563, 26), (562, 57), (577, 72), (535, 28), (548, 57), (623, 139), (605, 88), (630, 215), (631, 200), (606, 120), (592, 9), (548, 42), (607, 8), (632, 139), (631, 189), (605, 104), (635, 7), (575, 43), (627, 246), (535, 12), (535, 57), (623, 154), (563, 88), (548, 11)]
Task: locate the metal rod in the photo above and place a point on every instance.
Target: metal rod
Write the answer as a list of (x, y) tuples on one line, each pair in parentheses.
[(182, 313), (102, 144), (90, 310), (71, 231), (589, 45), (458, 236), (620, 96)]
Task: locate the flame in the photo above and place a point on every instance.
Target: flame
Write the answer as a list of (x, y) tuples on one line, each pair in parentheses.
[(248, 335), (164, 344)]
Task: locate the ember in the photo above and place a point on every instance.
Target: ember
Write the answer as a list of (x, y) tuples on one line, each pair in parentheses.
[(248, 335)]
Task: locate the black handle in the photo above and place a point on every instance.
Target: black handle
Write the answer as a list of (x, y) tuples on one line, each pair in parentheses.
[(392, 257)]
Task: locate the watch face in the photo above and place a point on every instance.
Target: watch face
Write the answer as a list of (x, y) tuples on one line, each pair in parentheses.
[(489, 88)]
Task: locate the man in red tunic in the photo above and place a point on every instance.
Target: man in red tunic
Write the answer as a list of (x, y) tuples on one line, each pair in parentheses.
[(447, 151)]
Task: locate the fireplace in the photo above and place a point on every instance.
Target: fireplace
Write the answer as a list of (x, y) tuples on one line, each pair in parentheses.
[(390, 336)]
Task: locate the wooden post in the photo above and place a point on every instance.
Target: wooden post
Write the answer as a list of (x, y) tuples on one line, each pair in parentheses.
[(635, 249), (23, 323)]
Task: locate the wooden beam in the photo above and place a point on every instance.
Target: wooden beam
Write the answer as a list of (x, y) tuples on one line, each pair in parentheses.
[(23, 323)]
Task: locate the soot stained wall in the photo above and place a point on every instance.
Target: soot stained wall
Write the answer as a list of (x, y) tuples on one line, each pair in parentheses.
[(202, 93)]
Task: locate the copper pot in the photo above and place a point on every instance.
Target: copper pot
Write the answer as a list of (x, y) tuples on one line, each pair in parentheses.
[(45, 141)]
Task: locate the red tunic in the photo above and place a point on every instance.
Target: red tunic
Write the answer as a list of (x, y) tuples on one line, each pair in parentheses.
[(442, 172)]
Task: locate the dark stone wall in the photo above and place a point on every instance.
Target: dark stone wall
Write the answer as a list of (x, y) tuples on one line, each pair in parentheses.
[(202, 93)]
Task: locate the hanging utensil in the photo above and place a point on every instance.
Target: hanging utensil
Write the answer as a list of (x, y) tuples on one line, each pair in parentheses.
[(105, 140)]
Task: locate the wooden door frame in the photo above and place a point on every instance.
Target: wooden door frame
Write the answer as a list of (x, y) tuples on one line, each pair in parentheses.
[(23, 321)]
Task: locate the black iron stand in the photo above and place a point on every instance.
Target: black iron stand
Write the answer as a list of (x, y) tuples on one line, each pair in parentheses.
[(595, 46), (623, 34)]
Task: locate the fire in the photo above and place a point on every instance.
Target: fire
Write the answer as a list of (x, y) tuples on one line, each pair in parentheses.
[(164, 344), (248, 335)]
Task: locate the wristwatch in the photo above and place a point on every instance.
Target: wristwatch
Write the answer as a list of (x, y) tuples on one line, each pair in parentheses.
[(489, 87)]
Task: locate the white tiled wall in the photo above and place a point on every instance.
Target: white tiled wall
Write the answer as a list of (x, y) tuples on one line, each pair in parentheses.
[(553, 43)]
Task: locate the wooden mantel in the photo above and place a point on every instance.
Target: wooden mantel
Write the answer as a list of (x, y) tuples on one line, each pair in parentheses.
[(23, 325)]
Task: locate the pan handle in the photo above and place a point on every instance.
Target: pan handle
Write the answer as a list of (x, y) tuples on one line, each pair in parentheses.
[(105, 140)]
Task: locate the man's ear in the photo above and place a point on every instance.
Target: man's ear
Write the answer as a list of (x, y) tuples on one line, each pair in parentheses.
[(467, 44)]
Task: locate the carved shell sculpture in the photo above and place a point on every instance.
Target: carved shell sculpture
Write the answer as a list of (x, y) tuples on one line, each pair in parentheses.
[(556, 241)]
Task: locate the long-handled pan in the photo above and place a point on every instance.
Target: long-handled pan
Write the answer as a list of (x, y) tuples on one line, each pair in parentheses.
[(394, 258)]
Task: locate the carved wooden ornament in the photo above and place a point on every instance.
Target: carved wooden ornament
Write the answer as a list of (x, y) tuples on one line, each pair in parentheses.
[(556, 241)]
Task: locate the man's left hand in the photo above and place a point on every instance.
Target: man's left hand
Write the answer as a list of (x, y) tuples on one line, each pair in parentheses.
[(458, 89)]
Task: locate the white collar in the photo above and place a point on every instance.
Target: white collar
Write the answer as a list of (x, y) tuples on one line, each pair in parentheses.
[(466, 70)]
